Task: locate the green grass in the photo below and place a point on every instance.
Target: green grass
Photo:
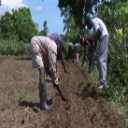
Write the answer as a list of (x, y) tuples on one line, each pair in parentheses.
[(19, 96), (122, 110), (12, 47)]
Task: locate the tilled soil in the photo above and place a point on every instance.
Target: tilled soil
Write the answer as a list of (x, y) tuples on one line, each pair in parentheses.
[(19, 101)]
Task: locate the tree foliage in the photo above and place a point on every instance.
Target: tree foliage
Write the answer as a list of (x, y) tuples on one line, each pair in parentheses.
[(7, 26), (72, 30), (18, 25), (79, 9), (115, 15), (45, 29)]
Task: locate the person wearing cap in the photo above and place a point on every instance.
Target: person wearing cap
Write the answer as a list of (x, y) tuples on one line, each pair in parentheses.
[(60, 44), (44, 53), (88, 41), (100, 34)]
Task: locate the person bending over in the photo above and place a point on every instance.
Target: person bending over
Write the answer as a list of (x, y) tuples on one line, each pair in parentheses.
[(88, 44), (100, 34), (44, 52), (60, 44)]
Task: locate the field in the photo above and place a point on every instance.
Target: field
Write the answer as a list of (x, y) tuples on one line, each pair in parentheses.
[(19, 101)]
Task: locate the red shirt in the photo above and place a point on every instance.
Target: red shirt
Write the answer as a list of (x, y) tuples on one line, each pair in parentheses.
[(87, 40)]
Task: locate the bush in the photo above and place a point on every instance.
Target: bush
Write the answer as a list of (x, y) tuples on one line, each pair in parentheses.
[(117, 77), (12, 47)]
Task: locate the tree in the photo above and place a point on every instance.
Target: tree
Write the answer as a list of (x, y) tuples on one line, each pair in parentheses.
[(18, 25), (24, 25), (79, 9), (7, 26), (45, 29), (115, 14), (72, 30)]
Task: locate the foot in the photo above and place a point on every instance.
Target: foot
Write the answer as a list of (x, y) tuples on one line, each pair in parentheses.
[(101, 86), (49, 101), (63, 98), (46, 107), (91, 69)]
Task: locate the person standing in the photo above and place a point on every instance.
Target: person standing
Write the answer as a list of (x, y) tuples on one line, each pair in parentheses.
[(100, 34), (44, 58)]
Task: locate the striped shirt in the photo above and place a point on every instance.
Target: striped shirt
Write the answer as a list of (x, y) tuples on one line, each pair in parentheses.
[(46, 48)]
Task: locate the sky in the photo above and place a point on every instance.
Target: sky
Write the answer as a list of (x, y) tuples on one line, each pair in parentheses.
[(40, 11)]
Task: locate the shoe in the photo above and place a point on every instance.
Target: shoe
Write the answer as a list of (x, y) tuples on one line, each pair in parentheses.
[(101, 86), (44, 103), (49, 101)]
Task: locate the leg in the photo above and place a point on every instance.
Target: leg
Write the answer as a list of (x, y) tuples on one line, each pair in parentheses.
[(77, 57), (102, 60), (68, 55), (42, 90), (77, 53)]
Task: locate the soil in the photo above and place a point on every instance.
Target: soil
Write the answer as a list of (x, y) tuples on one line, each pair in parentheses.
[(19, 100)]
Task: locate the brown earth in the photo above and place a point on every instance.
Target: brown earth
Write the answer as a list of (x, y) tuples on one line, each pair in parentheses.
[(19, 101)]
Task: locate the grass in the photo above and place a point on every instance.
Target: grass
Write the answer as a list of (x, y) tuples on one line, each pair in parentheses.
[(13, 47), (122, 110), (19, 96)]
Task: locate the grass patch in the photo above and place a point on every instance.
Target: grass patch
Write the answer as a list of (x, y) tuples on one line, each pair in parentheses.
[(122, 110), (19, 96), (12, 47)]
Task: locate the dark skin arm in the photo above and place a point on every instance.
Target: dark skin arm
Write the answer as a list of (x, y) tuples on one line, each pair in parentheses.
[(84, 56), (96, 37), (90, 59), (88, 44), (57, 87), (60, 56), (95, 45), (62, 60), (59, 90)]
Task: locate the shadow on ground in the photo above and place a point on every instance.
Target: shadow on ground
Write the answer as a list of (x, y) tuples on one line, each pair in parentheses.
[(34, 106), (23, 58)]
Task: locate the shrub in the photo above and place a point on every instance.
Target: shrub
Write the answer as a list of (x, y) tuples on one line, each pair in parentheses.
[(12, 47)]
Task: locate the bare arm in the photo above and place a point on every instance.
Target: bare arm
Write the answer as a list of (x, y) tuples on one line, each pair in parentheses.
[(84, 56), (96, 37), (94, 48), (63, 63)]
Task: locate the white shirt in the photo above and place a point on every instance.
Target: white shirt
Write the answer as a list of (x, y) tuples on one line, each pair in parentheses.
[(99, 24), (77, 47), (71, 45)]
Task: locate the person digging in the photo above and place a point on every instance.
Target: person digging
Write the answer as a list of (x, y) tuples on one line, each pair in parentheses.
[(61, 46), (44, 52), (101, 36), (88, 41)]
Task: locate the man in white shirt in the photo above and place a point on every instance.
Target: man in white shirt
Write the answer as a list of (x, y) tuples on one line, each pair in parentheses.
[(70, 51), (74, 52), (100, 34)]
